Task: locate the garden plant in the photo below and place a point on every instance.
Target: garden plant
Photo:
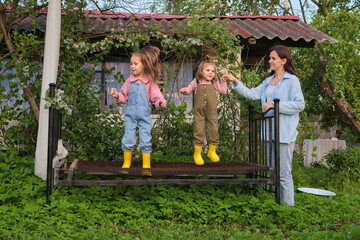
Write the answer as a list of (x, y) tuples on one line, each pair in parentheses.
[(169, 212)]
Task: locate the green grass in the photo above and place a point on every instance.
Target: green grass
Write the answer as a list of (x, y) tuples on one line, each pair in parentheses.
[(170, 212)]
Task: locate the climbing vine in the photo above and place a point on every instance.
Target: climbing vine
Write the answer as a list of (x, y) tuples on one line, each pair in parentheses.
[(89, 130)]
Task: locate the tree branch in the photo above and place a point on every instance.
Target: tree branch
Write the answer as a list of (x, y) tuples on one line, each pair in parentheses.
[(316, 3), (15, 60), (30, 97), (303, 11), (352, 8), (5, 33)]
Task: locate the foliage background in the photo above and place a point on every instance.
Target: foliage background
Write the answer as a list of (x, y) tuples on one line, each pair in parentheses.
[(172, 212), (326, 65), (163, 212)]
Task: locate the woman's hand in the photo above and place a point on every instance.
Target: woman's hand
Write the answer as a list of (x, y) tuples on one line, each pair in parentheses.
[(229, 77), (267, 106), (114, 93)]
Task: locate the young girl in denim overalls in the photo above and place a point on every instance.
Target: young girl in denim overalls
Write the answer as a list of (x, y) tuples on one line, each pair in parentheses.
[(205, 85), (139, 91)]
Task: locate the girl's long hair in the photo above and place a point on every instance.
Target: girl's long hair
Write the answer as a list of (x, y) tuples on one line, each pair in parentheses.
[(149, 57), (201, 67), (283, 52)]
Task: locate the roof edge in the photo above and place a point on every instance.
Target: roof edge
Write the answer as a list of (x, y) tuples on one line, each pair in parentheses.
[(164, 16)]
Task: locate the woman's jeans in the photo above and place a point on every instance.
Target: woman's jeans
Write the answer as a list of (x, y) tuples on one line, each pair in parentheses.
[(286, 179)]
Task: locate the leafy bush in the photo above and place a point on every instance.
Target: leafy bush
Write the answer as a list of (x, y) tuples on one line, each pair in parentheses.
[(233, 128), (21, 135), (96, 138), (163, 212), (351, 136), (172, 133), (346, 162), (18, 125), (92, 134)]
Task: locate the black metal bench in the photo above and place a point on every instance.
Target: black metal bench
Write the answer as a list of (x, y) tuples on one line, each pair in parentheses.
[(256, 171)]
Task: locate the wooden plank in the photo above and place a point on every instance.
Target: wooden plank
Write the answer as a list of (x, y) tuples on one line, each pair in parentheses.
[(56, 176), (71, 169), (74, 163)]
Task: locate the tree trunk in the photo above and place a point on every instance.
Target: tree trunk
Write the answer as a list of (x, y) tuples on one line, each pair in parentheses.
[(322, 5), (325, 8), (342, 104), (30, 98)]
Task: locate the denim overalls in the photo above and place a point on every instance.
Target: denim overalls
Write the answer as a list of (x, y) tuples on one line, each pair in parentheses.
[(137, 113)]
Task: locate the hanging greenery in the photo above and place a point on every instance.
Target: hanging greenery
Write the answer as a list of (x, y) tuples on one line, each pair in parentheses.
[(89, 131)]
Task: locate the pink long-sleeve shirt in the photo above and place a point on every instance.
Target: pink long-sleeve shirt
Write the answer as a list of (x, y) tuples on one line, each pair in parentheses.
[(220, 86), (152, 90)]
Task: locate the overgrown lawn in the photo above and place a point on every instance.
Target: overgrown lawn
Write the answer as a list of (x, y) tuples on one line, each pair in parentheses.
[(167, 212)]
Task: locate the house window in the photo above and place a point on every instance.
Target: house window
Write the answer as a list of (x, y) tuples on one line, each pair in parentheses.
[(169, 84)]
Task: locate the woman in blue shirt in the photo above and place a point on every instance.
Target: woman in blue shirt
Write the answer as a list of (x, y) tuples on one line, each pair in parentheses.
[(283, 84)]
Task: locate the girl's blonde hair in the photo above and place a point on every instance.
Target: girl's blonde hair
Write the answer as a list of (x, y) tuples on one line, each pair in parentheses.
[(149, 57), (201, 67)]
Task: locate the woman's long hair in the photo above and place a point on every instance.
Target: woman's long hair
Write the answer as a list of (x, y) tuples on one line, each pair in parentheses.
[(283, 52)]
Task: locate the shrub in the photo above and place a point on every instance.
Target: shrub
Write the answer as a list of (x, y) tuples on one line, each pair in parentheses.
[(173, 132), (94, 136), (345, 162), (350, 136)]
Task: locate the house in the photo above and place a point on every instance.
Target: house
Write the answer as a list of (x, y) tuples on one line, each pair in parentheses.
[(256, 33)]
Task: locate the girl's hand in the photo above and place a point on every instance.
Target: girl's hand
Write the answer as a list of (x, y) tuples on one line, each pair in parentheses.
[(229, 77), (184, 91), (114, 93), (163, 104), (224, 78), (267, 106)]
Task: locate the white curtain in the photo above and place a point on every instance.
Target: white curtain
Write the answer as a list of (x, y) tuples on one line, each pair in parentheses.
[(51, 61)]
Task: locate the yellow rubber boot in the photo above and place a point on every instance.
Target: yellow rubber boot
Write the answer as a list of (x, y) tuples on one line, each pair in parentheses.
[(197, 156), (212, 153), (127, 159), (146, 160), (146, 164)]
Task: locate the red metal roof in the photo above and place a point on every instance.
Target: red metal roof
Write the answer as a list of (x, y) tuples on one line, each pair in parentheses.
[(289, 29), (270, 27)]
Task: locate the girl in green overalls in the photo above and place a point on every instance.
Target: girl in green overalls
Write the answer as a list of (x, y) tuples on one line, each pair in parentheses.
[(205, 85)]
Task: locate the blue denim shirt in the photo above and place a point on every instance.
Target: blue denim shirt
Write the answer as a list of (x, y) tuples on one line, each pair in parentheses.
[(292, 102)]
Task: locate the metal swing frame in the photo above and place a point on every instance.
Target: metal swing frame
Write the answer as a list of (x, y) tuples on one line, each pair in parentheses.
[(263, 168)]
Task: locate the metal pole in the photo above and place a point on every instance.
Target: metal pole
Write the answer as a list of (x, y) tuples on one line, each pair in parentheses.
[(270, 137), (59, 123), (255, 140), (251, 138), (277, 149), (51, 146)]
